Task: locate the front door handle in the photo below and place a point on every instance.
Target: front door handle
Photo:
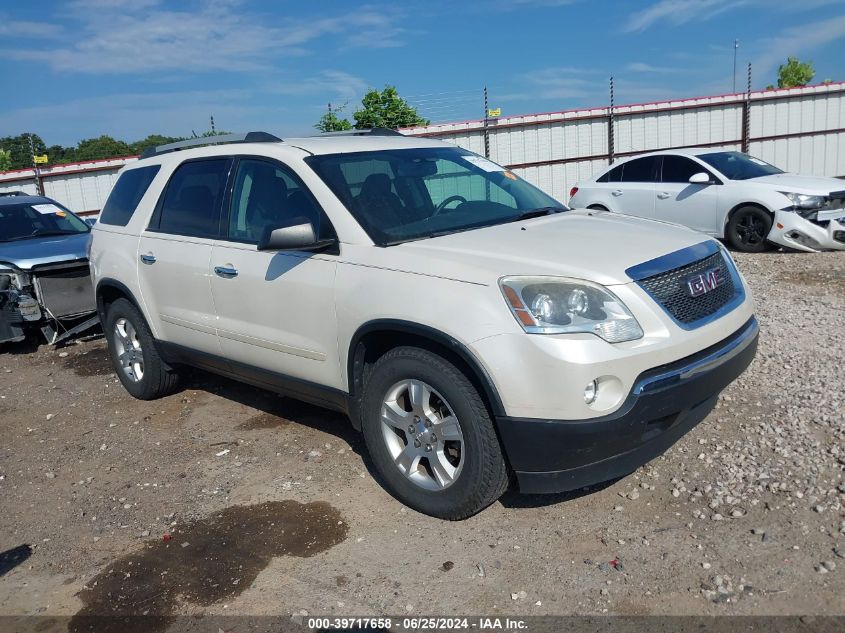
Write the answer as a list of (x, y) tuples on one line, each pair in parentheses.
[(225, 271), (616, 192), (148, 258), (663, 195)]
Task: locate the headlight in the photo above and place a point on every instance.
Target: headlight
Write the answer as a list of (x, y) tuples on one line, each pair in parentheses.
[(804, 201), (556, 305)]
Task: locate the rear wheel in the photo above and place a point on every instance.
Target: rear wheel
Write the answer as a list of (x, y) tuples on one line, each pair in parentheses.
[(430, 435), (133, 353), (748, 228)]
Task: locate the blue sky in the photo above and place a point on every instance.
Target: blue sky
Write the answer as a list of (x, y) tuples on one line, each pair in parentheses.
[(127, 68)]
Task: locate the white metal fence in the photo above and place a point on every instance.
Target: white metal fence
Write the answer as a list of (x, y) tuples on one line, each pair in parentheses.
[(797, 129), (81, 187)]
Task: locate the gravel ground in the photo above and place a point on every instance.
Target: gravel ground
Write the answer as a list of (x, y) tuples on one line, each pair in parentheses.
[(272, 509)]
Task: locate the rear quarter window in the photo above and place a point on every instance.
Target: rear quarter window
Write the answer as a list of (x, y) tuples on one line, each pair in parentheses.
[(126, 194), (614, 175)]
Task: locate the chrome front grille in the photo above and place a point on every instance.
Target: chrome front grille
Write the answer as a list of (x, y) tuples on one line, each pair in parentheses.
[(672, 289)]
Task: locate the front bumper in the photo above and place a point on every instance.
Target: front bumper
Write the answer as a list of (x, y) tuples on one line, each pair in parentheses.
[(665, 403), (791, 230)]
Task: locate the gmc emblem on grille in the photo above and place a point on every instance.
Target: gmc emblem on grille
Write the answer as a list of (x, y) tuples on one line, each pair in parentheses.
[(706, 281)]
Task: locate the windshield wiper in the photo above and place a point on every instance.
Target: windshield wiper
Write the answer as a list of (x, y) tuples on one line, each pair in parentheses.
[(49, 233), (32, 236), (536, 213)]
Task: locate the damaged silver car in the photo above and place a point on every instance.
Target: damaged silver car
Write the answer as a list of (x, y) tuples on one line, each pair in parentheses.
[(45, 281)]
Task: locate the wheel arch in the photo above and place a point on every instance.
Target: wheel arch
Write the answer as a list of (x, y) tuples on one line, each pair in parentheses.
[(375, 338), (108, 291), (739, 206)]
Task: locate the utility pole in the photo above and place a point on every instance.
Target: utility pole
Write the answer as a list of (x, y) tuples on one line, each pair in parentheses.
[(486, 133), (746, 115), (736, 46), (39, 186), (610, 140), (213, 131)]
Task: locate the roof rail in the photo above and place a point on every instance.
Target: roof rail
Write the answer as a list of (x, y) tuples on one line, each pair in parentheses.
[(247, 137), (13, 193), (373, 131)]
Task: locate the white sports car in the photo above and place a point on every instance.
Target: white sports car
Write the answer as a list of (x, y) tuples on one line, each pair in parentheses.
[(729, 195)]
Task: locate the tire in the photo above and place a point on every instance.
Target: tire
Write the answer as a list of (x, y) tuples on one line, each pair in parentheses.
[(143, 373), (747, 230), (478, 474)]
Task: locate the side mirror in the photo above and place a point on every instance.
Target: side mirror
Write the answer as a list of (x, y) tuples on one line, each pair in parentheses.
[(701, 178), (296, 235)]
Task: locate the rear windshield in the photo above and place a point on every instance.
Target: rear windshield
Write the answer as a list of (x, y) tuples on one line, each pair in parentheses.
[(407, 194), (739, 166), (127, 193), (39, 219)]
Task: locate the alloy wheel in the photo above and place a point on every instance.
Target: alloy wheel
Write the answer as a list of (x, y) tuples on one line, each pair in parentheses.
[(422, 434), (128, 348)]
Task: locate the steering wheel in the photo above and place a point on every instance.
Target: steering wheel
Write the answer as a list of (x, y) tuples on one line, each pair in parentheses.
[(446, 202)]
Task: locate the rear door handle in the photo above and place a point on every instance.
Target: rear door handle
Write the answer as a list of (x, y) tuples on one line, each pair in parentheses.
[(225, 271), (616, 192), (663, 195), (148, 258)]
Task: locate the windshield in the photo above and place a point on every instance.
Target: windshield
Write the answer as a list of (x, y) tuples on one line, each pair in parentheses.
[(739, 166), (408, 194), (25, 221)]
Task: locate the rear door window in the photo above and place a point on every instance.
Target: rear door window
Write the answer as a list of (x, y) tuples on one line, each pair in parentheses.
[(126, 194), (640, 169), (194, 198), (679, 169)]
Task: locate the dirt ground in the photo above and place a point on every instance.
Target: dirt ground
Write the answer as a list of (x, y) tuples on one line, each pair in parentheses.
[(225, 499)]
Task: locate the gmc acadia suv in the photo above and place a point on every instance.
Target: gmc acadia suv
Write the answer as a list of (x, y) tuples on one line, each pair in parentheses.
[(473, 328)]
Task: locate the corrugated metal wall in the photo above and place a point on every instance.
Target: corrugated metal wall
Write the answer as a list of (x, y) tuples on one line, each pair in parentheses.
[(81, 187), (798, 129)]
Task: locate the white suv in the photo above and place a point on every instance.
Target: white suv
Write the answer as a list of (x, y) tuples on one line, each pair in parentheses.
[(471, 326)]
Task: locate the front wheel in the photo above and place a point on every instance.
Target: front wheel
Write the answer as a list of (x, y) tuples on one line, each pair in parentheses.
[(430, 435), (748, 228), (133, 354)]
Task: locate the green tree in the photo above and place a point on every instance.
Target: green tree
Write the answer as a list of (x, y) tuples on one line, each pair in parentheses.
[(101, 147), (386, 109), (795, 73), (18, 147), (5, 159), (331, 122), (153, 140)]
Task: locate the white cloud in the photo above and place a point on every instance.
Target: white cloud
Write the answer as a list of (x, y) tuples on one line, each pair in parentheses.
[(23, 28), (118, 36), (511, 5), (131, 116), (334, 83), (642, 67), (797, 40), (677, 12)]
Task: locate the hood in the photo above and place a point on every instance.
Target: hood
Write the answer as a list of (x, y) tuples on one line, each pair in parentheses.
[(812, 185), (26, 254), (594, 245)]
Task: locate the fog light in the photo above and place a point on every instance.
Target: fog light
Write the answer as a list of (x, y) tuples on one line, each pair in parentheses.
[(590, 392)]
